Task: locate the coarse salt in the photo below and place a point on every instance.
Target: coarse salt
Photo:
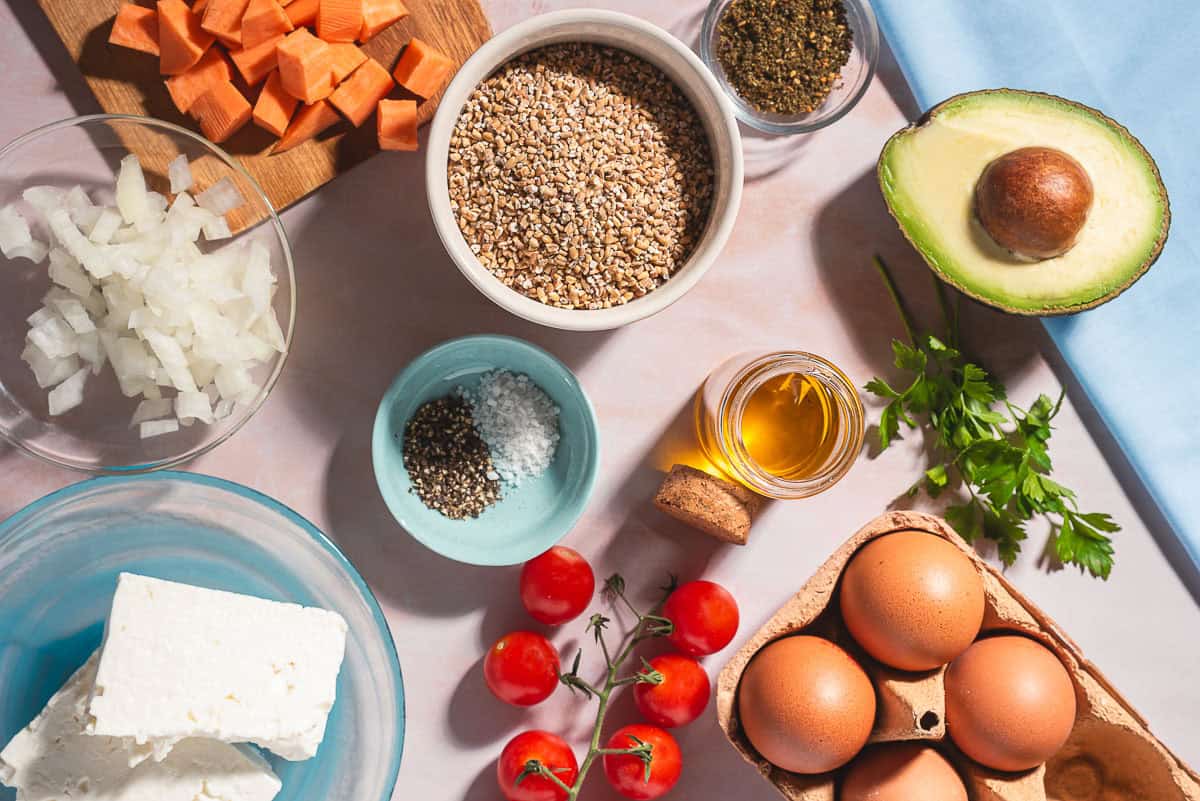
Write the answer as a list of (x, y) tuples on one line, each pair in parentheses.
[(519, 423)]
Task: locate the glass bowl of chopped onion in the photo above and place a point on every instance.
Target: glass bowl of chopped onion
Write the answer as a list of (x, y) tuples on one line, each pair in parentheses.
[(829, 76), (147, 294)]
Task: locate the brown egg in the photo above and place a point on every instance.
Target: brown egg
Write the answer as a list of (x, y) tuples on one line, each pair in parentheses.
[(1034, 201), (902, 772), (806, 705), (912, 600), (1010, 703)]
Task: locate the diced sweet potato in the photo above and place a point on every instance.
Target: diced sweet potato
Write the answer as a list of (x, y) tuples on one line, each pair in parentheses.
[(308, 122), (221, 111), (198, 8), (302, 12), (264, 20), (135, 27), (223, 18), (274, 107), (211, 69), (254, 63), (396, 125), (358, 95), (181, 40), (346, 59), (379, 14), (305, 66), (339, 20), (422, 70)]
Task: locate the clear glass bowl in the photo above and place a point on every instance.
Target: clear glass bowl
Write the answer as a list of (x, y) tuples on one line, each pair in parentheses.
[(86, 151), (856, 75), (59, 560)]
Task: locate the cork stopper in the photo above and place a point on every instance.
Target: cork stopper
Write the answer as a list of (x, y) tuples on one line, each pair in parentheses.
[(719, 508)]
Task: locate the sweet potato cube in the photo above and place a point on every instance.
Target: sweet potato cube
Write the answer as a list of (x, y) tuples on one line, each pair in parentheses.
[(339, 20), (302, 12), (135, 27), (255, 63), (181, 40), (210, 70), (308, 122), (274, 107), (422, 70), (263, 21), (358, 95), (346, 59), (396, 125), (223, 18), (198, 8), (305, 66), (378, 15), (221, 111)]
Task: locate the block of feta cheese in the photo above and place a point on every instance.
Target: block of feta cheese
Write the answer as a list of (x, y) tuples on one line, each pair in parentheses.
[(52, 759), (181, 661)]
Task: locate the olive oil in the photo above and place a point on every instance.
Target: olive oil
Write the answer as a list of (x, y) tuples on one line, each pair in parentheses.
[(786, 424), (790, 425)]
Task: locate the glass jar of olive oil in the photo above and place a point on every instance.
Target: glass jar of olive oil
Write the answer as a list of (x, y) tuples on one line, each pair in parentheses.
[(785, 424)]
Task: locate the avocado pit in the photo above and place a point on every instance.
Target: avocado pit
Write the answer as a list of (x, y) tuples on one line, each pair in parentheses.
[(1034, 201)]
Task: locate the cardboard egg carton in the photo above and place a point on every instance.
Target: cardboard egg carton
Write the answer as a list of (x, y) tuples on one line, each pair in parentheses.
[(1110, 756)]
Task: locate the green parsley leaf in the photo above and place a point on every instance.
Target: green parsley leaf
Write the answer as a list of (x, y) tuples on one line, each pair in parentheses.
[(999, 451)]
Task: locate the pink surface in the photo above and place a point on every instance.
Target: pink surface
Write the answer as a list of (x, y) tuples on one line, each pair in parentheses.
[(375, 289)]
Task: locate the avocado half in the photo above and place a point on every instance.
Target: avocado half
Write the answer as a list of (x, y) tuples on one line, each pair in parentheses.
[(928, 172)]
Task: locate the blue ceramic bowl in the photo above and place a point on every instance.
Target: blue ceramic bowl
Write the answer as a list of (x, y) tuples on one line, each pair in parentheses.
[(528, 519), (59, 560)]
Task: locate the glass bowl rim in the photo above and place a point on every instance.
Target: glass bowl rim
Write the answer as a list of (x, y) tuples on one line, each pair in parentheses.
[(85, 120), (800, 124), (69, 492)]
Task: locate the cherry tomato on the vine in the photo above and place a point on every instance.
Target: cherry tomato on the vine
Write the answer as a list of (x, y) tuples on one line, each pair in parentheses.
[(546, 748), (705, 617), (557, 586), (521, 668), (627, 772), (680, 698)]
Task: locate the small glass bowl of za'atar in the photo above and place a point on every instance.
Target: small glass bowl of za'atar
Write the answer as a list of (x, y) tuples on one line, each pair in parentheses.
[(791, 66), (147, 294)]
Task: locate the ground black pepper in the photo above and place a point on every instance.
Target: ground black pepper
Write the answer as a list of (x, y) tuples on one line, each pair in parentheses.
[(449, 465), (784, 56)]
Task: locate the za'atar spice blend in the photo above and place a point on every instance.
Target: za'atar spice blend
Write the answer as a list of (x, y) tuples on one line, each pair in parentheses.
[(784, 56)]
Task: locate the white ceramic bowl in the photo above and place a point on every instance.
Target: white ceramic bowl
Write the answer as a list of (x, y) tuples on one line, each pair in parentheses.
[(658, 48)]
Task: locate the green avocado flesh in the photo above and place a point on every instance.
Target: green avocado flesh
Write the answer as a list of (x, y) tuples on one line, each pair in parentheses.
[(928, 175)]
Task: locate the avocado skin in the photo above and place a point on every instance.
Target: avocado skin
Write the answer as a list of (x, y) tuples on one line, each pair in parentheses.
[(1047, 311)]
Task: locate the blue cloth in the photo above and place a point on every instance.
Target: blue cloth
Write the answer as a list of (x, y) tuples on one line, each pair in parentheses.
[(1137, 357)]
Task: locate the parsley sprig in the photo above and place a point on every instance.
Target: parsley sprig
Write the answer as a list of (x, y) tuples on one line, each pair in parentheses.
[(993, 448)]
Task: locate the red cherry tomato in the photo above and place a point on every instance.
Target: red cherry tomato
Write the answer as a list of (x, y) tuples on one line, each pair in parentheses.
[(521, 668), (682, 696), (557, 586), (627, 772), (547, 749), (705, 617)]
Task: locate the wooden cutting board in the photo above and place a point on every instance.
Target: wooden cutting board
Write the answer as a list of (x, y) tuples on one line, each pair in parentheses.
[(127, 82)]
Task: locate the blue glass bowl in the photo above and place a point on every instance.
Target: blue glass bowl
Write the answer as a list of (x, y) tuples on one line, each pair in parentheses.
[(59, 560), (528, 519)]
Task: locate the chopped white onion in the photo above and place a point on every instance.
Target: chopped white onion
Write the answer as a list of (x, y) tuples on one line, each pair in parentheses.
[(193, 406), (151, 410), (155, 428), (131, 288), (46, 370), (66, 272), (132, 200), (69, 394), (106, 225), (220, 198), (180, 173)]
